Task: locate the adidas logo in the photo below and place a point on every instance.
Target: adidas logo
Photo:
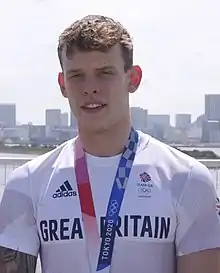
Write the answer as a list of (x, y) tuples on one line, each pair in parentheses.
[(65, 190)]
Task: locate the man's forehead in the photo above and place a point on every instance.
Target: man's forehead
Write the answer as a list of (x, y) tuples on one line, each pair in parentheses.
[(93, 59)]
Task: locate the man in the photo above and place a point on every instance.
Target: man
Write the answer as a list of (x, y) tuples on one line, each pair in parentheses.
[(113, 199)]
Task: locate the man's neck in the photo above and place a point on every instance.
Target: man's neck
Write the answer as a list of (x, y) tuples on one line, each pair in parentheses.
[(108, 143)]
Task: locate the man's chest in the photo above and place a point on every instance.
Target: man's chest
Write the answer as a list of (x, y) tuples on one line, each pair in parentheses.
[(146, 212)]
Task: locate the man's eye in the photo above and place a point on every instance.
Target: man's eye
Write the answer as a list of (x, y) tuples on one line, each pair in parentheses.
[(76, 76), (107, 72)]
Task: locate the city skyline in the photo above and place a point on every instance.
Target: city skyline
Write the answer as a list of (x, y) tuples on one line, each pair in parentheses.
[(56, 117), (59, 126), (176, 44), (211, 110)]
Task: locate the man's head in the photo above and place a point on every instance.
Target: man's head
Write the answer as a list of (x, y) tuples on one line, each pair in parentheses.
[(96, 56)]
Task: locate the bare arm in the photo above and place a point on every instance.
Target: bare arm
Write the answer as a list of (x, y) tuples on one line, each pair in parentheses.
[(207, 261), (13, 261)]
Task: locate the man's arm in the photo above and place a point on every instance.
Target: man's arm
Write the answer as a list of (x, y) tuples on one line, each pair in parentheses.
[(198, 227), (13, 261), (207, 261), (19, 240)]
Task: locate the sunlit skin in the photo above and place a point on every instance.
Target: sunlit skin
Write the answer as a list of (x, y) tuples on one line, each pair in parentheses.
[(100, 78)]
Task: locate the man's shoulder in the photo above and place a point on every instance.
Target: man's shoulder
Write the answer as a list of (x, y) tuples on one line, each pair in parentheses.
[(175, 167), (161, 154), (39, 166), (179, 162), (50, 159)]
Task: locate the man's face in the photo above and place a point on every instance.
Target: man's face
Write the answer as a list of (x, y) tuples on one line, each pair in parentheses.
[(97, 87)]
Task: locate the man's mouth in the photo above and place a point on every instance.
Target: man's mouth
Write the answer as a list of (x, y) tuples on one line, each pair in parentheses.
[(93, 107)]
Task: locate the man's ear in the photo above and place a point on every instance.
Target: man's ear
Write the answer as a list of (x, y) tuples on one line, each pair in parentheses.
[(135, 76), (62, 84)]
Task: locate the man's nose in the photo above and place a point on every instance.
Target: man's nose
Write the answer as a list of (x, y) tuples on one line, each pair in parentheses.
[(91, 87), (90, 91)]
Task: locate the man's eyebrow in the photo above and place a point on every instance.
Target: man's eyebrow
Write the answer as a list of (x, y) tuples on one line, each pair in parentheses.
[(105, 67), (71, 71), (74, 71)]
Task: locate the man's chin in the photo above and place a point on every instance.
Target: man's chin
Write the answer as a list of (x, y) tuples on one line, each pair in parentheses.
[(94, 127)]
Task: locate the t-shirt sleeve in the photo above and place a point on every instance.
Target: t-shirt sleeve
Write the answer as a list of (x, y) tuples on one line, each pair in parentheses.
[(198, 221), (18, 229)]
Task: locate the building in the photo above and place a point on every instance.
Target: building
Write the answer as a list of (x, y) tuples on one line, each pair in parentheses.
[(64, 119), (182, 121), (139, 118), (177, 136), (37, 134), (8, 115), (53, 118), (158, 120), (212, 106), (211, 131), (158, 124), (17, 134)]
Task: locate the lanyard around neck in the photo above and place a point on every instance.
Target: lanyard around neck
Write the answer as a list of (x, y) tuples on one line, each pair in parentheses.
[(116, 197)]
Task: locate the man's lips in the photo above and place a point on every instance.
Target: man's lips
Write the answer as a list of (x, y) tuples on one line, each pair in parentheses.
[(93, 107)]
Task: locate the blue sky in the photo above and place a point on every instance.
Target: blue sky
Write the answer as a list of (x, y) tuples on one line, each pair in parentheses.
[(177, 43)]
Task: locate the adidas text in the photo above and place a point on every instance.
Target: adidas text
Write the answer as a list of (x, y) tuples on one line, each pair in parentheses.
[(64, 194)]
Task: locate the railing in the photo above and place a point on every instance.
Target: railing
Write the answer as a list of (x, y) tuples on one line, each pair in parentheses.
[(7, 164)]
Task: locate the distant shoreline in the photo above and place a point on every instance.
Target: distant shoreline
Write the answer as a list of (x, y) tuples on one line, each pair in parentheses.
[(25, 150), (196, 153)]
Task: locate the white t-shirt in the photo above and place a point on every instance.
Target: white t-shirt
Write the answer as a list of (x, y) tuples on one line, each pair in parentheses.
[(169, 207)]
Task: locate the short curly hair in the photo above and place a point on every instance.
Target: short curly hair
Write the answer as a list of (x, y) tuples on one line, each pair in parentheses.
[(96, 32)]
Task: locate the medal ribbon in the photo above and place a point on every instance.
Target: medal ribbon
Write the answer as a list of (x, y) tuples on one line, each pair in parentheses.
[(116, 197)]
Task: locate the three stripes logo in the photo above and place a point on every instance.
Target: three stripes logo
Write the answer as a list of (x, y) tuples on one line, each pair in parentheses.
[(65, 190), (218, 206)]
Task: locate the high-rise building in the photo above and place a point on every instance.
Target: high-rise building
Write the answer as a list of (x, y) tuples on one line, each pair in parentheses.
[(183, 121), (139, 118), (64, 119), (158, 120), (7, 115), (53, 117), (211, 131), (158, 124), (212, 106)]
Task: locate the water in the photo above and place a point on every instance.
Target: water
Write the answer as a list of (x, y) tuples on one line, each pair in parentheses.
[(16, 155), (215, 150)]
